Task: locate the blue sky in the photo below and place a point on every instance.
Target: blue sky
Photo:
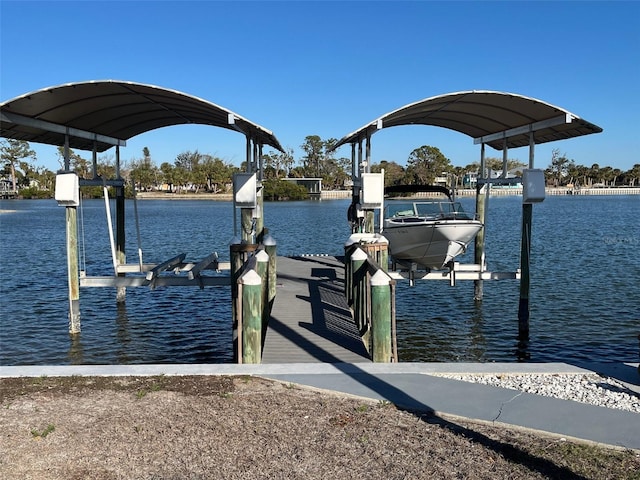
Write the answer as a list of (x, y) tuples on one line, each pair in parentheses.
[(326, 68)]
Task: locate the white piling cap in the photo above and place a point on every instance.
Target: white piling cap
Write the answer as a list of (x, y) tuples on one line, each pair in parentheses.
[(269, 241), (358, 254), (380, 279), (365, 238), (235, 241), (251, 278), (262, 256)]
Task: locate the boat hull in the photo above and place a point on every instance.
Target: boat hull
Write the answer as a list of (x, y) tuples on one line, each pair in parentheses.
[(431, 244)]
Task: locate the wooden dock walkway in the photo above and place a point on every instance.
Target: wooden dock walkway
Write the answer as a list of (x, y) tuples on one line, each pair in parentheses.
[(310, 319)]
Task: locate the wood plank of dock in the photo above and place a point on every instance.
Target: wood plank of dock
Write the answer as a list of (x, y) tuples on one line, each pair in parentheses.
[(310, 319)]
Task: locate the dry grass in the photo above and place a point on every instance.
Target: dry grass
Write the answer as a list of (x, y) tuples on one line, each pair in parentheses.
[(221, 427)]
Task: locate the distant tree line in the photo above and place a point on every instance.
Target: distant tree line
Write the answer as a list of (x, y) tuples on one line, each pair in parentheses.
[(193, 171), (564, 171)]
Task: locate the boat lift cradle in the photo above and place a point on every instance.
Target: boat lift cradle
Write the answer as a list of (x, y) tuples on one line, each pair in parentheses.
[(170, 272)]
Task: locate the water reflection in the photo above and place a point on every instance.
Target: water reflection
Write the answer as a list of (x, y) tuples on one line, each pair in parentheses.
[(523, 352), (76, 350), (478, 347), (123, 334)]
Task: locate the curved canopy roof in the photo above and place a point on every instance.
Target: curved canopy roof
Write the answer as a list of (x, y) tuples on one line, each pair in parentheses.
[(489, 117), (108, 111)]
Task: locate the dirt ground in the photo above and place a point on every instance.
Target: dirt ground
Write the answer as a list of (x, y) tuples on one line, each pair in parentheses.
[(221, 427)]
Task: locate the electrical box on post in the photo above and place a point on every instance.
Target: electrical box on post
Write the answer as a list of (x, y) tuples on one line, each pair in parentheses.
[(372, 193), (67, 192), (533, 186), (245, 191)]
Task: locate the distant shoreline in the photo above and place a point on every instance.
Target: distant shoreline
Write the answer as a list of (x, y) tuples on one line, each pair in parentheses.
[(342, 194), (338, 194), (555, 191), (226, 197)]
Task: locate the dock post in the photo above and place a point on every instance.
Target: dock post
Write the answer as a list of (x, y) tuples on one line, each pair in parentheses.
[(479, 256), (121, 292), (482, 194), (73, 275), (251, 317), (383, 255), (236, 257), (369, 221), (262, 269), (533, 191), (270, 246), (348, 272), (359, 293), (381, 317), (246, 222), (259, 214), (67, 194), (525, 255)]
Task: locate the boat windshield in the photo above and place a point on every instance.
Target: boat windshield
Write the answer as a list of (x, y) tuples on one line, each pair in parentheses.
[(430, 210)]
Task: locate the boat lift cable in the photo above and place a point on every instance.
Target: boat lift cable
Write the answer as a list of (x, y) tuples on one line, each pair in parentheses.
[(135, 212), (110, 227)]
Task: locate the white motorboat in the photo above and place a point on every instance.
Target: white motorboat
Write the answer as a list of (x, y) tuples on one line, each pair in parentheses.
[(428, 231)]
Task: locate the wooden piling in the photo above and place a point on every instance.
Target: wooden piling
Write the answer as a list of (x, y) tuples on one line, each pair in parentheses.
[(270, 246), (383, 259), (238, 255), (359, 293), (482, 191), (246, 221), (262, 269), (369, 221), (251, 317), (349, 248), (73, 274), (525, 256), (236, 262), (121, 292), (259, 215), (381, 317), (482, 196)]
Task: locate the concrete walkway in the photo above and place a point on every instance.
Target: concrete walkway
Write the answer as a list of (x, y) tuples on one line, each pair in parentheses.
[(414, 387)]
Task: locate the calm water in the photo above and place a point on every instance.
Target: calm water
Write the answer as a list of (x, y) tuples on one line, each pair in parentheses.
[(585, 294)]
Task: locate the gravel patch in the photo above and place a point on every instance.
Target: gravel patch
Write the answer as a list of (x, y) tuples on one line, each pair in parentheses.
[(586, 388)]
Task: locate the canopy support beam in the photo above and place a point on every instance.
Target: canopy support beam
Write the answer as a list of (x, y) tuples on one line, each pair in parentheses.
[(56, 128), (532, 127)]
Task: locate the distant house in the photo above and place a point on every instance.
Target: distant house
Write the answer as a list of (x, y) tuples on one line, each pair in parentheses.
[(442, 180), (511, 174), (6, 188), (313, 185), (470, 179)]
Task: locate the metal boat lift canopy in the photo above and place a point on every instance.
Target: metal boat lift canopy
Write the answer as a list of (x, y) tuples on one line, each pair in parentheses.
[(488, 117), (103, 113)]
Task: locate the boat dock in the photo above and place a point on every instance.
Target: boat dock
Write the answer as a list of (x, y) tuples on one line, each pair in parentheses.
[(310, 319)]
